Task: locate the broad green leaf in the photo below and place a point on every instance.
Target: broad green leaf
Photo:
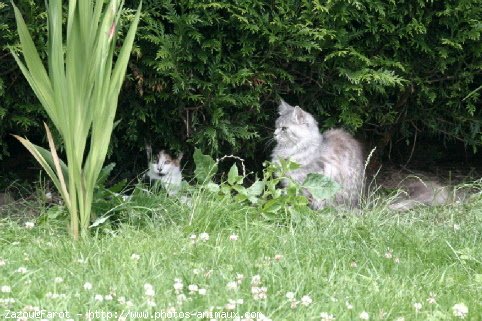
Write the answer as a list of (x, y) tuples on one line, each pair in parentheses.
[(233, 175), (274, 205), (256, 189), (212, 187), (240, 189), (206, 167), (320, 186)]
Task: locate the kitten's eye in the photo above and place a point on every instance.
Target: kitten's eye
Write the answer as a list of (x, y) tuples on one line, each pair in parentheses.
[(284, 128), (168, 162)]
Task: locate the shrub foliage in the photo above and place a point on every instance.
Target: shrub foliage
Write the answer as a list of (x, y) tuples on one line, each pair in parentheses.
[(209, 73)]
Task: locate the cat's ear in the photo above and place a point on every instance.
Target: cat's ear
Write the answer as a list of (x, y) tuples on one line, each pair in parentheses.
[(299, 115), (179, 157), (284, 107)]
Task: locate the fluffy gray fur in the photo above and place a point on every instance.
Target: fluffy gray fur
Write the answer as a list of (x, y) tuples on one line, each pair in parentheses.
[(335, 154)]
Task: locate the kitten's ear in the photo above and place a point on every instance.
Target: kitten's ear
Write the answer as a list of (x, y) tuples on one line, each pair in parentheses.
[(284, 107), (179, 157), (299, 115)]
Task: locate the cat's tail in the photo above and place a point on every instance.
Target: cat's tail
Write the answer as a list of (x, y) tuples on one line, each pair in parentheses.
[(419, 192)]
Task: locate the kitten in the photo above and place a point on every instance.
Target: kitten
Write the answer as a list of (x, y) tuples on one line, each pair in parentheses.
[(335, 154), (167, 170)]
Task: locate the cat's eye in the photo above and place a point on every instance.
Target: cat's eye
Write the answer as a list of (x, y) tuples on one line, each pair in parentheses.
[(168, 162), (284, 128)]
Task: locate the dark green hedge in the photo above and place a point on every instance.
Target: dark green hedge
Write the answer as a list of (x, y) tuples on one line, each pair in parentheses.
[(209, 74)]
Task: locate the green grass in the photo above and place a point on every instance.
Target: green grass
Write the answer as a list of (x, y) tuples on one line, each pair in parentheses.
[(380, 262)]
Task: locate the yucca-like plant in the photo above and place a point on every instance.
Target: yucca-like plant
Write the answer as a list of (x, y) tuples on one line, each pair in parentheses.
[(79, 92)]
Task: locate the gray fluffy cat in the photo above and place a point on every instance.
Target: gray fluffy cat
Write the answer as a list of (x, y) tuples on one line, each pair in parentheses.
[(335, 154)]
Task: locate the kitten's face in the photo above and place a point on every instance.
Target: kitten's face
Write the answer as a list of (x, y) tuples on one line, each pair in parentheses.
[(166, 163), (294, 125)]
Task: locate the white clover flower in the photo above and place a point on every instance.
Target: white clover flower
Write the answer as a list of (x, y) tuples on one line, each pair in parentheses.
[(353, 264), (3, 262), (231, 305), (256, 280), (306, 300), (178, 286), (108, 297), (5, 289), (417, 306), (202, 291), (364, 316), (22, 270), (290, 295), (456, 227), (460, 310), (129, 304), (99, 297), (239, 278), (87, 286), (135, 257), (432, 298), (29, 225), (232, 285), (278, 257), (326, 316), (233, 237), (149, 290), (204, 237), (151, 303), (58, 279), (348, 305), (259, 293), (262, 317), (294, 304), (193, 288), (389, 253), (7, 301)]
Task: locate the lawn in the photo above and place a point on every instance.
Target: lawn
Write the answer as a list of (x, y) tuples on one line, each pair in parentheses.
[(169, 259)]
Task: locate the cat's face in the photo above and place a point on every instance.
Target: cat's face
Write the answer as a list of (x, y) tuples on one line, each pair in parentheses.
[(294, 125), (166, 163)]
